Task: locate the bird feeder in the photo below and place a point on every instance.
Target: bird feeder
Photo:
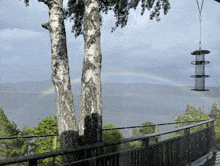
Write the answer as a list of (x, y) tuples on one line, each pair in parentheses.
[(200, 69), (200, 60)]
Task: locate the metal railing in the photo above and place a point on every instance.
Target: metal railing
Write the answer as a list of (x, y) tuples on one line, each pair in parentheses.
[(175, 151), (117, 128)]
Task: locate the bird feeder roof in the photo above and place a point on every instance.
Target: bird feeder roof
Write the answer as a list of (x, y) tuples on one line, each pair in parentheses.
[(200, 52)]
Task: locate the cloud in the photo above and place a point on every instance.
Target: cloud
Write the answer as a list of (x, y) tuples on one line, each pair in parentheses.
[(20, 39), (19, 34)]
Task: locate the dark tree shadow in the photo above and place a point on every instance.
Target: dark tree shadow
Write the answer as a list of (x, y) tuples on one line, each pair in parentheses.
[(92, 134), (69, 139)]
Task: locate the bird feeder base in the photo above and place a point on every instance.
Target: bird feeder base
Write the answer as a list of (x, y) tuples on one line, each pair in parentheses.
[(200, 89)]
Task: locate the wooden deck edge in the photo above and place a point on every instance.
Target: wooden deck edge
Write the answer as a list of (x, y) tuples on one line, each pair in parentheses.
[(205, 157)]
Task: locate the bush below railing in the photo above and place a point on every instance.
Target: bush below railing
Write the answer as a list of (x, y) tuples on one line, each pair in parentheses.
[(174, 151)]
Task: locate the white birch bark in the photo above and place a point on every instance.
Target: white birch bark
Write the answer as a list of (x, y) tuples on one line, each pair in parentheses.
[(68, 131), (60, 67), (91, 97)]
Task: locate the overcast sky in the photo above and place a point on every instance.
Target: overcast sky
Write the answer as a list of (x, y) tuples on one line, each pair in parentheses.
[(143, 46)]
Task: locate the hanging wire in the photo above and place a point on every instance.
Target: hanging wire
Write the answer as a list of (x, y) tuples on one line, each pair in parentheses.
[(200, 20)]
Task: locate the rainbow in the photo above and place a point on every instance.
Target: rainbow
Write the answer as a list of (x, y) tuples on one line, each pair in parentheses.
[(152, 76)]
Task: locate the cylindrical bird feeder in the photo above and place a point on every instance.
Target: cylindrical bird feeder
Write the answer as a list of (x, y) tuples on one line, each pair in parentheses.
[(200, 69)]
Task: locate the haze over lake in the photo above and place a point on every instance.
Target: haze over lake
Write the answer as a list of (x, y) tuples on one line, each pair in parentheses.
[(123, 104)]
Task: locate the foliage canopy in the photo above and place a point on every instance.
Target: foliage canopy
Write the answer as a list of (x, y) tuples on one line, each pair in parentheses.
[(48, 125), (121, 11), (76, 10), (11, 147), (191, 114)]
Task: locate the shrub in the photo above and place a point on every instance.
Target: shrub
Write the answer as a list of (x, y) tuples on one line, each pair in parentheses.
[(215, 113), (48, 125), (191, 114), (11, 147), (111, 135), (144, 131)]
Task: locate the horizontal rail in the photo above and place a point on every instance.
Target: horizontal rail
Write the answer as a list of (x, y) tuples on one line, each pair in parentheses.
[(160, 124), (96, 145), (118, 128), (31, 136), (102, 156)]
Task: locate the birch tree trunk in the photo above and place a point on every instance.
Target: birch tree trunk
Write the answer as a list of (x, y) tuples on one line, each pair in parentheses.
[(60, 76), (90, 115)]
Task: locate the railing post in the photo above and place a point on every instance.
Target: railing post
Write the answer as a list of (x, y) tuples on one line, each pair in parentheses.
[(156, 131), (213, 139), (145, 158), (187, 139), (54, 148)]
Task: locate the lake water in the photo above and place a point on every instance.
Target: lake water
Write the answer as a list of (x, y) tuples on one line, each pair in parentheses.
[(123, 104)]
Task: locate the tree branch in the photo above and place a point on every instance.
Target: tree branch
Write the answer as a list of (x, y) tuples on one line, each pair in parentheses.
[(46, 26)]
